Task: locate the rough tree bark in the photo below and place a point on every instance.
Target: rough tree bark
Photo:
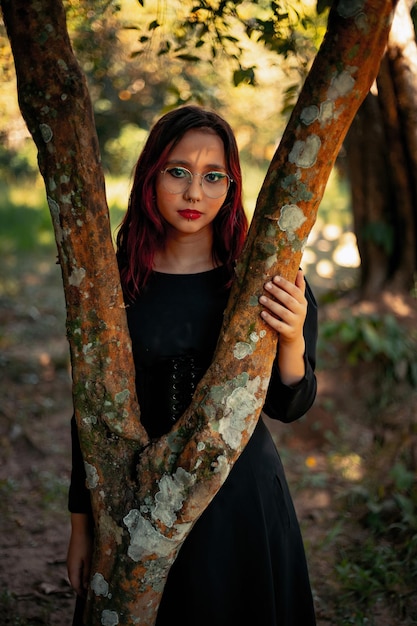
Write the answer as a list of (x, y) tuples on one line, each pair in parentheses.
[(382, 162), (146, 495), (398, 100)]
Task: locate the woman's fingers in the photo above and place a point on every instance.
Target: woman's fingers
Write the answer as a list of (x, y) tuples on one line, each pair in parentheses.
[(285, 305)]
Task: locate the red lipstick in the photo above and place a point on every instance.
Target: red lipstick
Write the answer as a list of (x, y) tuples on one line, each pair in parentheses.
[(190, 214)]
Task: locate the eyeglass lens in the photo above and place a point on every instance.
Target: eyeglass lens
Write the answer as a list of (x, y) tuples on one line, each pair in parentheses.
[(178, 179)]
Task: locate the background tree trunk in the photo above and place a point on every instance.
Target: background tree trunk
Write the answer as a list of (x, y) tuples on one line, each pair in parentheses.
[(147, 495), (381, 149), (372, 195)]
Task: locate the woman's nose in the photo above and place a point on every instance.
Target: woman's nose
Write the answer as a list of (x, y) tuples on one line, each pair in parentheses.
[(195, 189)]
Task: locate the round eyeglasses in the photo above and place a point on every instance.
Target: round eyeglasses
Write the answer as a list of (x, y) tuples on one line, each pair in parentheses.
[(178, 179)]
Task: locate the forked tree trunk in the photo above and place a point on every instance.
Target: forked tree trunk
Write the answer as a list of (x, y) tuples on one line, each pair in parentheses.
[(147, 495)]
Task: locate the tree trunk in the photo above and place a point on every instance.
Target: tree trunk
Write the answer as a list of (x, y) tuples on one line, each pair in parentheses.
[(382, 163), (147, 495), (401, 128), (372, 195)]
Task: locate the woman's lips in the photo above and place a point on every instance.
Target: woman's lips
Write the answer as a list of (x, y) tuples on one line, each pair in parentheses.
[(190, 214)]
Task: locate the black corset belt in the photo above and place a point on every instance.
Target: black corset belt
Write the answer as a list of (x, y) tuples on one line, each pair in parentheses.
[(165, 390)]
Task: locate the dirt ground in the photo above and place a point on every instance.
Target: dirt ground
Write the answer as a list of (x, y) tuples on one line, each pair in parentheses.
[(35, 454)]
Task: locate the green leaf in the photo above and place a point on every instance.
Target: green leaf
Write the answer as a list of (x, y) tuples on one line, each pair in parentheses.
[(246, 76), (188, 57), (322, 5), (372, 338)]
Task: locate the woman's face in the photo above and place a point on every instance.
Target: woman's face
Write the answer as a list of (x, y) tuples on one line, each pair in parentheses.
[(186, 207)]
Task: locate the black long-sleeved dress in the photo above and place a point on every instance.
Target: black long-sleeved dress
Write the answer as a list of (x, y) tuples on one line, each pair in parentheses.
[(243, 563)]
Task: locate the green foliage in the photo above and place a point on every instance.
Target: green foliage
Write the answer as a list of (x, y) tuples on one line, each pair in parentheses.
[(18, 164), (383, 566), (204, 31), (122, 93), (374, 338), (122, 151), (380, 234), (323, 5), (143, 58), (24, 217), (246, 76)]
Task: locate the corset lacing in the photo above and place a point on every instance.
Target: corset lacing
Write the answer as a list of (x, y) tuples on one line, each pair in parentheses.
[(165, 391)]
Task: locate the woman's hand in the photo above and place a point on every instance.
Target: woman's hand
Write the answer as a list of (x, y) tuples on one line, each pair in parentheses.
[(80, 552), (285, 312)]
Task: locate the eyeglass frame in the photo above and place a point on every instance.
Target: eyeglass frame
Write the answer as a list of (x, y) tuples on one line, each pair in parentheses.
[(191, 178)]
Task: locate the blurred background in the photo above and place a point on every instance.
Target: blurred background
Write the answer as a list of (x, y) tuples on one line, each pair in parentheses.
[(351, 462)]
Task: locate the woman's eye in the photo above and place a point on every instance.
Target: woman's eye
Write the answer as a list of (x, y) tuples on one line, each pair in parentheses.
[(214, 177), (178, 172)]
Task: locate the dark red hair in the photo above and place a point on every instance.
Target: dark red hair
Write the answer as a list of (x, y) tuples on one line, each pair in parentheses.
[(143, 230)]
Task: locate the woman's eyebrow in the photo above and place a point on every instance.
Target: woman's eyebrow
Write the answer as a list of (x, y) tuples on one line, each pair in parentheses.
[(209, 166)]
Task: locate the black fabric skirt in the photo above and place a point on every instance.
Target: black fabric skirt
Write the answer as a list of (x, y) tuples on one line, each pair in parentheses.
[(243, 564)]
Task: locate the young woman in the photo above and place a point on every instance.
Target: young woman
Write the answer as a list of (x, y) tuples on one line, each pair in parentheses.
[(243, 563)]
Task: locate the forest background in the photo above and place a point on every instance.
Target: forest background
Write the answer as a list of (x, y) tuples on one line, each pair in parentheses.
[(352, 461)]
